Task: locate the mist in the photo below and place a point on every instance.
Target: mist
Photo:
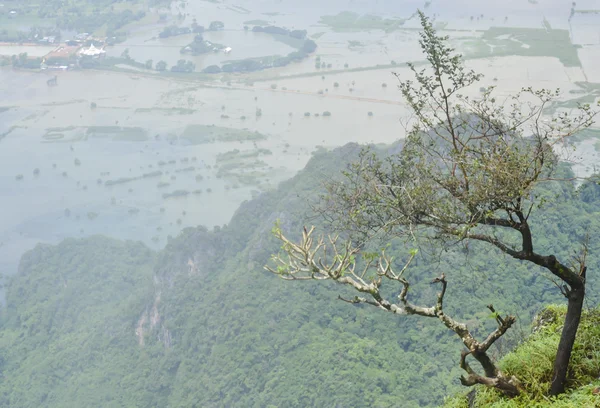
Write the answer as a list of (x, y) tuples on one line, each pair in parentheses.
[(139, 119)]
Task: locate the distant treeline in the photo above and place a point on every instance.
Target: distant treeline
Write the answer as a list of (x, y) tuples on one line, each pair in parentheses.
[(299, 34), (91, 22), (35, 34), (172, 31), (256, 64)]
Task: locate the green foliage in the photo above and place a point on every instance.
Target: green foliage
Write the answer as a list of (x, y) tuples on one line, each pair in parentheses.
[(532, 362), (117, 133), (66, 327), (240, 337), (81, 20), (183, 66), (161, 66), (200, 134), (533, 42), (295, 38), (200, 46), (173, 30), (216, 25), (349, 21)]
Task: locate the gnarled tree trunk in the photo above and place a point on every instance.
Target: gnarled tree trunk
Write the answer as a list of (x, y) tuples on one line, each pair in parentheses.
[(575, 298)]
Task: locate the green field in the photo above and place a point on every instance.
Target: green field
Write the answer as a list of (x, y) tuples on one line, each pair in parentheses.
[(201, 134), (75, 134), (349, 21), (528, 42)]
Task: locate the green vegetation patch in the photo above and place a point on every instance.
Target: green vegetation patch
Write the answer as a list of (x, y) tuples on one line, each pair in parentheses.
[(530, 42), (121, 180), (354, 43), (95, 290), (75, 133), (54, 136), (176, 193), (118, 133), (239, 9), (63, 103), (201, 134), (64, 134), (124, 180), (237, 155), (8, 131), (243, 167), (589, 92), (532, 363), (586, 134), (167, 111), (297, 43), (257, 22), (349, 21), (78, 327)]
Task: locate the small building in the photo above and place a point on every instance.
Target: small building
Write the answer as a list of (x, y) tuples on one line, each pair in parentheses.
[(60, 58), (227, 50), (63, 52), (82, 36), (93, 52)]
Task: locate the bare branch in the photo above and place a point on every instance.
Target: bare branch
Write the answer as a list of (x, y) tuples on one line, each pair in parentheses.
[(509, 387), (308, 260)]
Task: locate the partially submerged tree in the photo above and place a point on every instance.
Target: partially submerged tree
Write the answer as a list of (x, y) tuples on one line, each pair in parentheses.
[(468, 170)]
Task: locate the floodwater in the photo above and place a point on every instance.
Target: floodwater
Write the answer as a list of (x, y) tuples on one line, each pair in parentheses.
[(30, 50), (35, 206), (69, 197), (245, 44)]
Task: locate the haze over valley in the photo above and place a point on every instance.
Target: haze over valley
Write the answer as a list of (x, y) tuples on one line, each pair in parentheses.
[(144, 120), (148, 120)]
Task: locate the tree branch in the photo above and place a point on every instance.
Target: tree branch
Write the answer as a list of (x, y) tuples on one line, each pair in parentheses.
[(509, 387), (308, 260)]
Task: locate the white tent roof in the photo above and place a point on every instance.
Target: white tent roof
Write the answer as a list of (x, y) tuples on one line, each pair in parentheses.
[(92, 51)]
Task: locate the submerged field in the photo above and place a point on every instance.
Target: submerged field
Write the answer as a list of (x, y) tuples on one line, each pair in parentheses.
[(143, 155)]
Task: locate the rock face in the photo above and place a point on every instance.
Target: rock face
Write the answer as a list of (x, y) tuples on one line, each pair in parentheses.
[(149, 322)]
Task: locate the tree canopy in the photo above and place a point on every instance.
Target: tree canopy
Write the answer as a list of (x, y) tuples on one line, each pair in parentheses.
[(470, 169)]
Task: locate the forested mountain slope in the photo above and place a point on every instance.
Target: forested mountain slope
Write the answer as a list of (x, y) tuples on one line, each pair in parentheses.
[(102, 323)]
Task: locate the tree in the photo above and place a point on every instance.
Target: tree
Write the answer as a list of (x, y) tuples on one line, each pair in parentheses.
[(212, 69), (299, 34), (195, 27), (149, 64), (469, 170), (309, 46), (161, 66), (216, 25)]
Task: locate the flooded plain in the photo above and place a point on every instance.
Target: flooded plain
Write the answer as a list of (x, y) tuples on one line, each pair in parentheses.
[(138, 155), (245, 44)]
